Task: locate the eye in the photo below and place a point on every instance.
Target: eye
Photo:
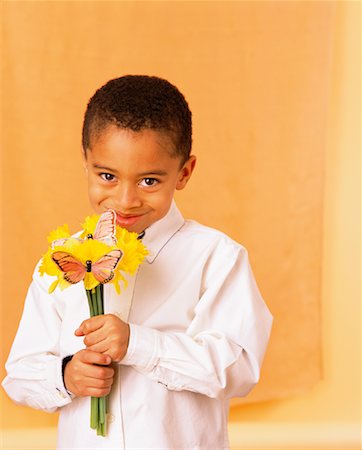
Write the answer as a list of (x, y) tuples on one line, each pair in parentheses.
[(148, 182), (107, 176)]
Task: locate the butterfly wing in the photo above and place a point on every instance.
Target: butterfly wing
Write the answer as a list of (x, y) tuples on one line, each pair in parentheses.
[(62, 241), (106, 228), (103, 269), (74, 270), (59, 242)]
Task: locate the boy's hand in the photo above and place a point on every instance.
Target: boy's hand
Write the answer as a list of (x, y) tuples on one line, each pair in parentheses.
[(87, 374), (106, 334)]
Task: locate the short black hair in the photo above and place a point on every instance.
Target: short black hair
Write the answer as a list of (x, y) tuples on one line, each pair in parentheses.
[(139, 102)]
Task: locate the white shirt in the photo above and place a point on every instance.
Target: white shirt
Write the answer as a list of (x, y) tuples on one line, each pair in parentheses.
[(199, 330)]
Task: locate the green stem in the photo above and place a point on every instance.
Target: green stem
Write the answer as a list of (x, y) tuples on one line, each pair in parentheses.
[(99, 406), (94, 413), (94, 302), (89, 297), (102, 410), (101, 430), (99, 297)]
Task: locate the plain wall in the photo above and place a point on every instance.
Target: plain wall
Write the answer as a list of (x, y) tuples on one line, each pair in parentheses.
[(330, 412)]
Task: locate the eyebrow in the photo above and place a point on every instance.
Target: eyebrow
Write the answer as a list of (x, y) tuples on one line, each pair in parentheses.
[(108, 169), (160, 173)]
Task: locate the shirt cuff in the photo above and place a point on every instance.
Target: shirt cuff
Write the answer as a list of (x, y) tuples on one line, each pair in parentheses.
[(56, 386), (143, 348)]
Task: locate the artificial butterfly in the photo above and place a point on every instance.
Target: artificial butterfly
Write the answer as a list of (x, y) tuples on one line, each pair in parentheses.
[(103, 269), (75, 271), (105, 230)]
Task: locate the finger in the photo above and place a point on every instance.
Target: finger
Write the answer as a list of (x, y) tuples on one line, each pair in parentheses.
[(94, 389), (98, 382), (95, 337), (99, 372), (89, 325), (91, 357), (94, 371), (78, 332), (100, 347), (97, 392)]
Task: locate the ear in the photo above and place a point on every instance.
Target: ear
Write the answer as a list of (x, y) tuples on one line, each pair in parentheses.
[(84, 159), (186, 172)]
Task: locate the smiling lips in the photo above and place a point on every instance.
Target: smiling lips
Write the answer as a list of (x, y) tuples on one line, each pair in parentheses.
[(127, 220)]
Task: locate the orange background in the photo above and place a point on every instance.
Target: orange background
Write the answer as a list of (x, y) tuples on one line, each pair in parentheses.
[(264, 82)]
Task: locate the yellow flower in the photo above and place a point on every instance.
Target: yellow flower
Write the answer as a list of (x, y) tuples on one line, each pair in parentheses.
[(83, 250), (117, 280), (59, 233), (89, 225), (48, 266), (134, 251), (59, 282)]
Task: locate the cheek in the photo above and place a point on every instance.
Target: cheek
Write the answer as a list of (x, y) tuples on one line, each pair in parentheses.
[(162, 201), (95, 193)]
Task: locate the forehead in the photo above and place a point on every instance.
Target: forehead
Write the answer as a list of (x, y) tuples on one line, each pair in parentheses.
[(116, 144), (108, 131)]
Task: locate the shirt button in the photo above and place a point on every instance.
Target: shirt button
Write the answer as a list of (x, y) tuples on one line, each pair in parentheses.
[(110, 418), (61, 394)]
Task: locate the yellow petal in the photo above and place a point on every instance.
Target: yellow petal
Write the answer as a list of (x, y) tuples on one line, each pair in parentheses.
[(63, 284), (59, 233), (89, 281), (53, 286), (48, 266), (89, 225)]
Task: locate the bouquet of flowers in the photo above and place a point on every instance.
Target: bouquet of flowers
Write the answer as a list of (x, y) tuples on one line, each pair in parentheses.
[(101, 253)]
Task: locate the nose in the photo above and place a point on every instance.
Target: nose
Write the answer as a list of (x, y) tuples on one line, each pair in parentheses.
[(127, 198)]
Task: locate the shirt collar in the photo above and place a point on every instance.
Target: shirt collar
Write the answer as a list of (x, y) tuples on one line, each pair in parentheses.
[(160, 232)]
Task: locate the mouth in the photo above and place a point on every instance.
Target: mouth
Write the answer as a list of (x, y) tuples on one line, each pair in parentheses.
[(127, 220)]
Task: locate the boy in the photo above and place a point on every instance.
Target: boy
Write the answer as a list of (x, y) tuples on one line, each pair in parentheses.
[(189, 331)]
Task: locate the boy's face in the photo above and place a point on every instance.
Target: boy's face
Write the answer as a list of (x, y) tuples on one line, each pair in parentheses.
[(134, 174)]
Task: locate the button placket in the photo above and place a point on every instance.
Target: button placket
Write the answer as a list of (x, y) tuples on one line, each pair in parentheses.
[(118, 305)]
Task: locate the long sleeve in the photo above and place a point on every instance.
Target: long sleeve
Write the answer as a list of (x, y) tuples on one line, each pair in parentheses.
[(34, 367), (199, 330), (221, 351)]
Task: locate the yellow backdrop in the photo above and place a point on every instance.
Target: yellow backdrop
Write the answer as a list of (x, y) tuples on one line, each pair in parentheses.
[(256, 75)]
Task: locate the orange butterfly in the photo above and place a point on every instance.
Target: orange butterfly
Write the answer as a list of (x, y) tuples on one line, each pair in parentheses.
[(75, 271), (103, 269)]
